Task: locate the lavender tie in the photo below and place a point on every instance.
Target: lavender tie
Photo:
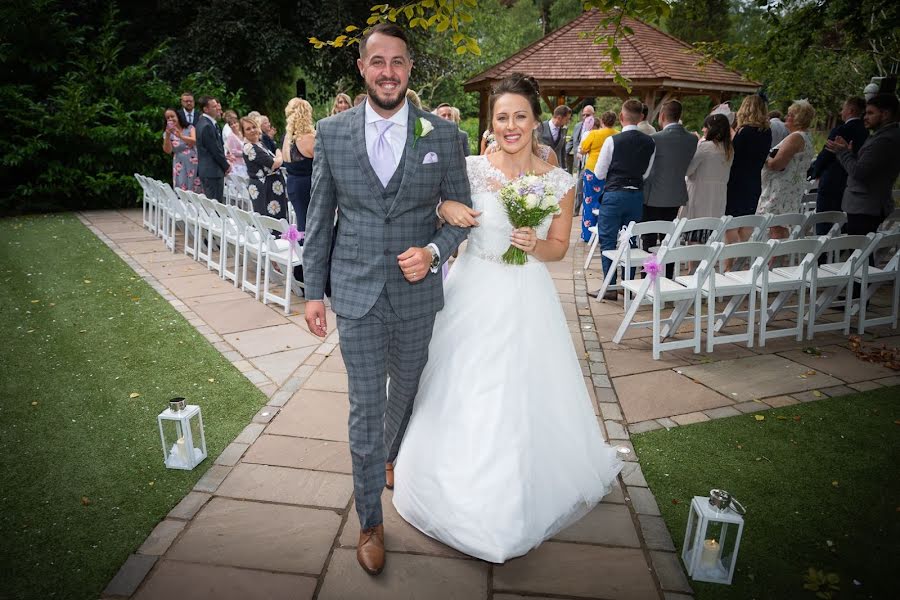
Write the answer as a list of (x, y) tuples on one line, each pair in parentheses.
[(382, 158)]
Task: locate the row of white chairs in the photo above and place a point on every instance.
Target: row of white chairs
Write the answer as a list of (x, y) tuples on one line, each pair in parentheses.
[(242, 238), (826, 268)]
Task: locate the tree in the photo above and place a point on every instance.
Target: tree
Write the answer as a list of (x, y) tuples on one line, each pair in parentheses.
[(699, 20)]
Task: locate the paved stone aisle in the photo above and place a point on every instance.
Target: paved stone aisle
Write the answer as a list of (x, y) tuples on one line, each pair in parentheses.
[(274, 517)]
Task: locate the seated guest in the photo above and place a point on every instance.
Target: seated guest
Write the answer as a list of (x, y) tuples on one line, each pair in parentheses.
[(625, 162), (266, 183), (707, 175), (592, 187), (179, 141), (340, 104)]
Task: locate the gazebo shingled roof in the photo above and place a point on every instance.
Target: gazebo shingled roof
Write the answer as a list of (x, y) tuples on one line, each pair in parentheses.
[(659, 66)]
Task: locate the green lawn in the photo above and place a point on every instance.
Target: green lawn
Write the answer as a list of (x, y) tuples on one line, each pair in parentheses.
[(83, 480), (820, 484)]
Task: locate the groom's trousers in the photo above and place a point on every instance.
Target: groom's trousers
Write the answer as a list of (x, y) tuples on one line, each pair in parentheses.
[(375, 346)]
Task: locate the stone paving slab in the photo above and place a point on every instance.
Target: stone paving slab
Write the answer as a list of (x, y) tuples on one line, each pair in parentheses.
[(290, 486), (561, 569), (839, 362), (636, 356), (607, 524), (279, 366), (300, 453), (314, 414), (230, 316), (176, 579), (191, 286), (405, 577), (664, 393), (268, 340), (745, 379), (261, 536)]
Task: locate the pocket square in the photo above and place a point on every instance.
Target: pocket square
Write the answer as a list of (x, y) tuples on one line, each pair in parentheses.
[(430, 158)]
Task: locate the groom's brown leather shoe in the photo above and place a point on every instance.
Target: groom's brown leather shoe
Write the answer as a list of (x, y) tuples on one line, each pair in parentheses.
[(370, 551), (389, 475)]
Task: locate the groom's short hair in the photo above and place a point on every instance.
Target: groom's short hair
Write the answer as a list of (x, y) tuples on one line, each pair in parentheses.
[(389, 29)]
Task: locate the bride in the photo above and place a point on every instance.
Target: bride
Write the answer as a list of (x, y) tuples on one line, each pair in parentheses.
[(503, 449)]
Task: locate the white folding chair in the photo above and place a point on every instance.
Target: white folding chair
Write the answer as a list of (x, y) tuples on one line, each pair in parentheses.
[(230, 237), (786, 282), (595, 238), (737, 285), (191, 222), (870, 278), (684, 294), (149, 206), (284, 253), (834, 218), (793, 222), (214, 229), (174, 214), (628, 255), (832, 278), (808, 202), (714, 225), (759, 223), (254, 249)]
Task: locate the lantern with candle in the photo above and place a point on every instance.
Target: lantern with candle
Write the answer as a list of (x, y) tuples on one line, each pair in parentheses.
[(182, 436), (713, 537)]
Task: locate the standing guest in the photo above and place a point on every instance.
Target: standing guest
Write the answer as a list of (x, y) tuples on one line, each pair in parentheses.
[(827, 169), (573, 146), (297, 148), (784, 173), (591, 186), (213, 166), (488, 142), (359, 99), (645, 126), (779, 129), (450, 113), (752, 142), (341, 103), (187, 111), (268, 133), (266, 183), (179, 141), (665, 191), (707, 175), (552, 133), (625, 162), (234, 144), (871, 172)]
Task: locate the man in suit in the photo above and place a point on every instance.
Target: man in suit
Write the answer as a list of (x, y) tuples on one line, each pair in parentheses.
[(187, 110), (827, 169), (578, 134), (871, 172), (553, 133), (387, 181), (665, 190), (212, 165), (449, 113)]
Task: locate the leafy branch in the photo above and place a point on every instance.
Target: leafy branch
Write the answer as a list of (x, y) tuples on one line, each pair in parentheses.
[(439, 15)]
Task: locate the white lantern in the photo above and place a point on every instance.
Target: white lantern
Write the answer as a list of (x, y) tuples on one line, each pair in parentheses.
[(182, 436), (713, 537)]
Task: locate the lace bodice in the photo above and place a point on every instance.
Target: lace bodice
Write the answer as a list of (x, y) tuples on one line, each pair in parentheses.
[(491, 238)]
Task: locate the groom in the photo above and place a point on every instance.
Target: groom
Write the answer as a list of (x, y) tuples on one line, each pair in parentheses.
[(384, 166)]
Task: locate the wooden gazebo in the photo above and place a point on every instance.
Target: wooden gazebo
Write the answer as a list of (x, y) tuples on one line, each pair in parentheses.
[(567, 65)]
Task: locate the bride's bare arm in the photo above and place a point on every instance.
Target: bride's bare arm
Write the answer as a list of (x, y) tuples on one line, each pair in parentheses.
[(557, 243), (458, 214)]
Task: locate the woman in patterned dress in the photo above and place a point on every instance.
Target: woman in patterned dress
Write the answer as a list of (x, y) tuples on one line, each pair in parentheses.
[(179, 140), (592, 188), (266, 183)]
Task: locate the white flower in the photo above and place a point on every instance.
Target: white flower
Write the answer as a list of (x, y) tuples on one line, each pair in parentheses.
[(278, 188), (427, 127), (260, 174), (253, 191), (273, 207), (532, 200), (250, 151)]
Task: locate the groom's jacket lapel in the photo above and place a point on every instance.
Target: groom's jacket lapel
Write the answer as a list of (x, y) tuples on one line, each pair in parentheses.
[(358, 139), (412, 155)]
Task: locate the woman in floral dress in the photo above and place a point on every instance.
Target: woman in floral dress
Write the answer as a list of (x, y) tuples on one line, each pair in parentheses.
[(179, 140), (266, 183)]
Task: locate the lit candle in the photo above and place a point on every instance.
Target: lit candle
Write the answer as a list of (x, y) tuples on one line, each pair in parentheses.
[(710, 555), (181, 451)]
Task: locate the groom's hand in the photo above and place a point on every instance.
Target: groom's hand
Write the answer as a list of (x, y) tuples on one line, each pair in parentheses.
[(315, 317), (415, 264)]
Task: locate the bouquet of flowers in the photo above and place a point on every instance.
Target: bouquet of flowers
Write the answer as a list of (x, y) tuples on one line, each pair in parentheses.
[(528, 201)]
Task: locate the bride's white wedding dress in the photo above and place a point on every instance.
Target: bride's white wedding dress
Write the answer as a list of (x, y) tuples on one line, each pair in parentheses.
[(503, 449)]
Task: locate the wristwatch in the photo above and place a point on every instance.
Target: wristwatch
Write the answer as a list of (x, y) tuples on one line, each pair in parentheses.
[(435, 258)]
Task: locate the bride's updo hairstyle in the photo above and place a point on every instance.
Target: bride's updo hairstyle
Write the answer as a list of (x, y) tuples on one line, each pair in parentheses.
[(522, 85)]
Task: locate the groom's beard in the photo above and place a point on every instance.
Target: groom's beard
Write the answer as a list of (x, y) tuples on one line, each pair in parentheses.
[(383, 102)]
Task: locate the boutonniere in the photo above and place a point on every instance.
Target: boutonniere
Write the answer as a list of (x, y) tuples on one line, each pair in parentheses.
[(423, 128)]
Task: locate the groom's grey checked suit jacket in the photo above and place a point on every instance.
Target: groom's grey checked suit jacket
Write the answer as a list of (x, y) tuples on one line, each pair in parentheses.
[(375, 228), (385, 322)]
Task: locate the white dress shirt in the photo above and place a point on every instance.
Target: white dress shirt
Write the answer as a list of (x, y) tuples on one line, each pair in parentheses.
[(606, 154), (554, 130)]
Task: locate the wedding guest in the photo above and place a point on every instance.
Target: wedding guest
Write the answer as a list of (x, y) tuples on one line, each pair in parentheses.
[(707, 175), (645, 126), (266, 183), (552, 133), (871, 172), (359, 99), (624, 163), (341, 103), (187, 111), (451, 113), (591, 186), (827, 169), (413, 97), (267, 133), (573, 146), (487, 141), (751, 144), (665, 191), (234, 144), (212, 164), (297, 149), (779, 129), (784, 173), (179, 141)]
